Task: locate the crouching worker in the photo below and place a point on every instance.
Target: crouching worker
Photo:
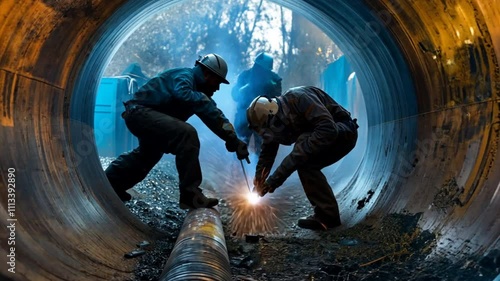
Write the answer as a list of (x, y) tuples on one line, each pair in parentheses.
[(157, 116), (322, 132)]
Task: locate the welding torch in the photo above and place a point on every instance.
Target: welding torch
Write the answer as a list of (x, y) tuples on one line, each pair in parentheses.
[(245, 173)]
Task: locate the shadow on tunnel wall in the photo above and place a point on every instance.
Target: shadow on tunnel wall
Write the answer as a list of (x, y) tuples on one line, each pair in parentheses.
[(428, 71)]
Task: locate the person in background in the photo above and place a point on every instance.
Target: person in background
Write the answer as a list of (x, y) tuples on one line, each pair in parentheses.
[(322, 132), (258, 80), (157, 116), (134, 71)]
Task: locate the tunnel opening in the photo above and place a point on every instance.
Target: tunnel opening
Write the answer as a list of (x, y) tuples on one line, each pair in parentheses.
[(376, 88), (117, 84), (389, 112), (429, 75)]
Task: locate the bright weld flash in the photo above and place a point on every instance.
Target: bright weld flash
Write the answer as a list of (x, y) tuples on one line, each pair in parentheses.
[(252, 214), (253, 198)]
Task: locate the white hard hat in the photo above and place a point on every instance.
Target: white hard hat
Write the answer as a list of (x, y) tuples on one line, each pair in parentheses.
[(216, 64), (259, 112)]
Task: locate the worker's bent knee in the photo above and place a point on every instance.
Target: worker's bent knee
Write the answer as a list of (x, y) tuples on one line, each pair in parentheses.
[(189, 136)]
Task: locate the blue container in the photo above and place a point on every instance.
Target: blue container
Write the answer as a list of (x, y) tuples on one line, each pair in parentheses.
[(111, 134)]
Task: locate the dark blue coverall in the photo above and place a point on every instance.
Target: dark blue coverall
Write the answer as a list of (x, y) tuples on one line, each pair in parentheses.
[(157, 116)]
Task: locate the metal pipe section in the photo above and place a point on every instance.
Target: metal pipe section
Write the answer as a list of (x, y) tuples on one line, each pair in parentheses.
[(200, 251), (428, 70)]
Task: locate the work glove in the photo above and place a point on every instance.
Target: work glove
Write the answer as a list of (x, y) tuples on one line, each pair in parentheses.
[(239, 147), (263, 187)]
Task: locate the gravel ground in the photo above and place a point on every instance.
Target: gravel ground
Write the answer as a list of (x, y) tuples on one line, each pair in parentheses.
[(389, 248)]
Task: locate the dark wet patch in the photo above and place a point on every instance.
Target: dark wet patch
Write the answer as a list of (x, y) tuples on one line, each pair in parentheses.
[(73, 8), (365, 200)]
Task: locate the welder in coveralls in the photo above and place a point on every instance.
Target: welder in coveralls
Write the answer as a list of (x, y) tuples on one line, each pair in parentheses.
[(259, 80), (322, 132), (157, 116)]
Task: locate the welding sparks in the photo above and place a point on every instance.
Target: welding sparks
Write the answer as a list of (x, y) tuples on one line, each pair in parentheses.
[(249, 213), (250, 217), (253, 198), (254, 214)]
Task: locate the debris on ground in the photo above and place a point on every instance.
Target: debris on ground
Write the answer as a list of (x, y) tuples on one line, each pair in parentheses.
[(388, 248)]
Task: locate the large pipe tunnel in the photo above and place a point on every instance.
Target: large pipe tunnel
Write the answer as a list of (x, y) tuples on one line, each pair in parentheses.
[(429, 74)]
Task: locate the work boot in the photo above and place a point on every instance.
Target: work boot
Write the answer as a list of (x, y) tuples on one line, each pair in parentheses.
[(194, 200), (315, 223)]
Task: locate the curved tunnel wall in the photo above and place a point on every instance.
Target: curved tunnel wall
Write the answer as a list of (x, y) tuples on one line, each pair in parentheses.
[(429, 73)]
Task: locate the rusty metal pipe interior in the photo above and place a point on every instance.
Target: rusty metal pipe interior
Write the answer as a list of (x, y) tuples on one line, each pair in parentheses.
[(429, 73)]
